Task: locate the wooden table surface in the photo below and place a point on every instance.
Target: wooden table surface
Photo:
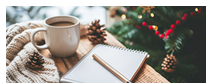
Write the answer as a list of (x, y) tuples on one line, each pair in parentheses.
[(146, 74)]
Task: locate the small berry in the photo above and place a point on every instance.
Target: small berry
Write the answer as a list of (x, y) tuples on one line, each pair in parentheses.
[(170, 31), (167, 33), (185, 15), (150, 27), (173, 26), (162, 36), (192, 13), (199, 11), (184, 18), (166, 36), (137, 26), (157, 32), (144, 24), (131, 44), (178, 22)]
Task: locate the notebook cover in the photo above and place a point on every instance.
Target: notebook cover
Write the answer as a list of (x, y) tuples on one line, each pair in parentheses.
[(87, 70)]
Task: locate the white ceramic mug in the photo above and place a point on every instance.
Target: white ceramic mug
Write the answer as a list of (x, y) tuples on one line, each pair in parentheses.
[(62, 41)]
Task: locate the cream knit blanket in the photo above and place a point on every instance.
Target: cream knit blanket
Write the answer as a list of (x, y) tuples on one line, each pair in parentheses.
[(18, 49)]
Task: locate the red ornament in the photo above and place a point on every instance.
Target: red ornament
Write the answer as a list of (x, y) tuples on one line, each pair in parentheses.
[(178, 22), (173, 26), (137, 26), (129, 18), (144, 24), (150, 27), (134, 8), (170, 31), (162, 36), (192, 13), (185, 15), (184, 18), (157, 32)]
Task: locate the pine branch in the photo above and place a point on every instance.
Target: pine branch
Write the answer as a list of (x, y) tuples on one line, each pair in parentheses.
[(162, 15), (129, 34), (177, 39), (174, 44)]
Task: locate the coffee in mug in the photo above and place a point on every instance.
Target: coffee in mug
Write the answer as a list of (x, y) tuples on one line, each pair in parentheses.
[(62, 24), (62, 35)]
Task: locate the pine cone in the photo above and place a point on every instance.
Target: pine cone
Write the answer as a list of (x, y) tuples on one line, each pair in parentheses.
[(96, 32), (112, 11), (169, 64), (35, 61)]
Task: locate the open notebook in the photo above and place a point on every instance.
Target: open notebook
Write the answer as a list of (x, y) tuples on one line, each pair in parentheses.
[(87, 70)]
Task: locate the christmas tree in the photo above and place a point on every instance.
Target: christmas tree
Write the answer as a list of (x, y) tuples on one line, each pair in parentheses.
[(175, 31)]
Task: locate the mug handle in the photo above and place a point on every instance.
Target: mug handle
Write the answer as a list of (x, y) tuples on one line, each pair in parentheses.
[(45, 46)]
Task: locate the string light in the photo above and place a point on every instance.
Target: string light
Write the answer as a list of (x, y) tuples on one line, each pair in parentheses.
[(196, 9), (155, 27), (123, 16), (140, 16), (191, 31), (152, 15)]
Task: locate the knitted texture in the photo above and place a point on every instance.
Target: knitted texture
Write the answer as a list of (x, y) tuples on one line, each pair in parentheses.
[(18, 49)]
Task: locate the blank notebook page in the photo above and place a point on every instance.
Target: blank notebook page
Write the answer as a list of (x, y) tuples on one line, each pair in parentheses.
[(88, 70)]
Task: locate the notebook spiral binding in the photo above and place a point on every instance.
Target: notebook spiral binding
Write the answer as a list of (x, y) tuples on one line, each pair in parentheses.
[(123, 48)]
